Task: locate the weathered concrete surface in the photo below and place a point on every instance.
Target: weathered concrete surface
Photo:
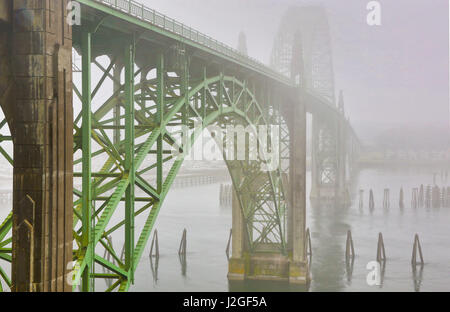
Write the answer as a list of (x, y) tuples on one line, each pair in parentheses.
[(5, 11), (268, 267), (5, 58), (298, 267), (237, 264), (36, 80)]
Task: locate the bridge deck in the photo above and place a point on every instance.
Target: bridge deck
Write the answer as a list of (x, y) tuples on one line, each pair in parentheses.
[(142, 16)]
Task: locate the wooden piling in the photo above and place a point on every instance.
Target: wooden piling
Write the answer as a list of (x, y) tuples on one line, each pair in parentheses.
[(386, 199), (428, 197), (227, 250), (417, 247), (436, 197), (414, 199), (381, 251), (401, 200), (349, 248), (421, 196), (371, 201), (154, 244), (183, 243), (361, 199), (308, 243)]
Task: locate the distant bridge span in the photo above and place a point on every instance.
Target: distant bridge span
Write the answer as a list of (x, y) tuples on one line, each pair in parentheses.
[(156, 75)]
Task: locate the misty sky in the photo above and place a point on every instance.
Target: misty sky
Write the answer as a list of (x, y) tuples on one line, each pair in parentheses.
[(392, 74)]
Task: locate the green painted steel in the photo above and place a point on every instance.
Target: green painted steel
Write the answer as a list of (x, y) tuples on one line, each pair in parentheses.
[(216, 97), (86, 139)]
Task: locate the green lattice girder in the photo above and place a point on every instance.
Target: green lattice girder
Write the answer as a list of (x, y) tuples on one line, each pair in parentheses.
[(210, 99), (217, 100)]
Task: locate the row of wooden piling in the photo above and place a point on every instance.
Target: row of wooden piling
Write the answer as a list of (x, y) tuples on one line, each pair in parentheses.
[(154, 253), (431, 197), (225, 196), (416, 259), (154, 247), (428, 197), (193, 181)]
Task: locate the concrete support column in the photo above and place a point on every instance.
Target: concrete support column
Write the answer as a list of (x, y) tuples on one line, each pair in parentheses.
[(42, 129), (237, 234), (236, 264), (298, 267)]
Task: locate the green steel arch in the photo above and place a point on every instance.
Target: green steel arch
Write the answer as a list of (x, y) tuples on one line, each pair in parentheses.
[(220, 100), (130, 135)]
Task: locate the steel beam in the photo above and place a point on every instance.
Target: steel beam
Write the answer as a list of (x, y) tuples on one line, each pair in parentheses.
[(86, 197)]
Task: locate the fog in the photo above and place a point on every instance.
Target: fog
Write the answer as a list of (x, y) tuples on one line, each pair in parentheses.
[(394, 75)]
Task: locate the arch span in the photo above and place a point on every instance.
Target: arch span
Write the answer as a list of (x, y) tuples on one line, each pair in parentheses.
[(162, 105)]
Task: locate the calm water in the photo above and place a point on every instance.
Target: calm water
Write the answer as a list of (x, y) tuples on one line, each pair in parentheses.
[(208, 224)]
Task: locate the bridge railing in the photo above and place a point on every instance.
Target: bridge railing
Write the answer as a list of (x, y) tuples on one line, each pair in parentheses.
[(153, 17)]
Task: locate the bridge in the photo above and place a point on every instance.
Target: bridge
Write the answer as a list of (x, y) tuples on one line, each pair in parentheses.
[(93, 154)]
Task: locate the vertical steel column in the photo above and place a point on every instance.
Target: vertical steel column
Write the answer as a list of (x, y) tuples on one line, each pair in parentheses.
[(129, 158), (159, 118), (204, 93), (185, 90), (87, 239), (221, 91), (116, 110)]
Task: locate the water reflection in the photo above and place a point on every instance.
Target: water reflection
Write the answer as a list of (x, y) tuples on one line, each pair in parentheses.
[(154, 268), (417, 276), (183, 263), (349, 264), (329, 223), (330, 226), (265, 286)]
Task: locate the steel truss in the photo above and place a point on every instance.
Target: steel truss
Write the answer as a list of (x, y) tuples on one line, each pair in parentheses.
[(124, 163), (303, 45)]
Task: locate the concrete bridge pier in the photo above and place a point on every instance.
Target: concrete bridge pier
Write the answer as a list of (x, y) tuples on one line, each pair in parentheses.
[(237, 264), (36, 44), (296, 218), (267, 262)]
